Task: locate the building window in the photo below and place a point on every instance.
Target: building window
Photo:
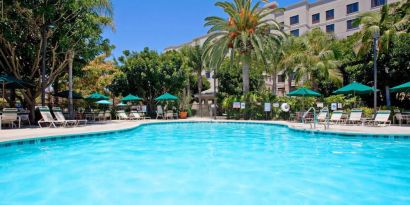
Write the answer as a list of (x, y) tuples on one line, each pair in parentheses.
[(330, 14), (294, 32), (330, 28), (294, 20), (208, 74), (376, 3), (352, 8), (351, 24), (281, 78), (315, 18)]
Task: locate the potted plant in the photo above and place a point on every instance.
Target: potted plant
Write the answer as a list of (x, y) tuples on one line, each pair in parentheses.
[(184, 105)]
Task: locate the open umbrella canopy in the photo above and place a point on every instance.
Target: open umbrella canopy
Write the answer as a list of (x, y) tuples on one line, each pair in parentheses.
[(354, 88), (64, 94), (96, 97), (131, 98), (405, 88), (121, 105), (304, 92), (165, 97), (104, 102), (10, 81)]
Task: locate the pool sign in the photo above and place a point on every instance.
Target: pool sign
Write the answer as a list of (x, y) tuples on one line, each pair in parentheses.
[(334, 106), (236, 105), (243, 106), (268, 107)]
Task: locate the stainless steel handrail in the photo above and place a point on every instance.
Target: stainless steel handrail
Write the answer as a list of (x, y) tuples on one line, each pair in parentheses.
[(314, 116)]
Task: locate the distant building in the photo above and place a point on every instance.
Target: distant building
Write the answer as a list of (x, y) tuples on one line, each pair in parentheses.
[(332, 16)]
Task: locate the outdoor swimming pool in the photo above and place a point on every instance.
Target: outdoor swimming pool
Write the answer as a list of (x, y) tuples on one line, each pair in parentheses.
[(208, 163)]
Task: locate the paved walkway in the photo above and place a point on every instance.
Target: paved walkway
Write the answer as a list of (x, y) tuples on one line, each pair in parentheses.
[(28, 133)]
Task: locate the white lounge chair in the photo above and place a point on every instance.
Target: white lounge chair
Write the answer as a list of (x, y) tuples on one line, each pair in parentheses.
[(134, 115), (336, 117), (58, 113), (107, 115), (381, 119), (321, 117), (121, 115), (355, 117), (9, 116), (160, 112), (47, 118)]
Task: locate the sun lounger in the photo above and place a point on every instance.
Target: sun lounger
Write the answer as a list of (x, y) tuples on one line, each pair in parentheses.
[(121, 115), (58, 113), (107, 115), (381, 119), (321, 117), (160, 112), (135, 116), (47, 118), (9, 116), (355, 117), (336, 117)]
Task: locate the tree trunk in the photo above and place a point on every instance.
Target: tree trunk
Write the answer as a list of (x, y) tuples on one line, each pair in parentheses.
[(290, 78), (245, 76), (199, 74), (56, 90), (70, 85), (274, 85)]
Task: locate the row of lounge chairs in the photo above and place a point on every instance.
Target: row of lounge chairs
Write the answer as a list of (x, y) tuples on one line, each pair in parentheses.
[(355, 118), (58, 120), (133, 115)]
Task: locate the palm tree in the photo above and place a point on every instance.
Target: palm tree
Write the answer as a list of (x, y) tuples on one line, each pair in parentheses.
[(244, 34), (392, 20), (310, 57), (194, 61)]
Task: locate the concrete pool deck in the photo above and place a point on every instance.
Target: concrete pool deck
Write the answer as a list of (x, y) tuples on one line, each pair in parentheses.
[(32, 133)]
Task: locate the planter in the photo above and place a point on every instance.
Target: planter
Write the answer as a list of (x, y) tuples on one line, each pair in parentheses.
[(183, 115)]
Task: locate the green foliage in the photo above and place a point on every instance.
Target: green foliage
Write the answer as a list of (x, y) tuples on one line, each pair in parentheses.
[(348, 102)]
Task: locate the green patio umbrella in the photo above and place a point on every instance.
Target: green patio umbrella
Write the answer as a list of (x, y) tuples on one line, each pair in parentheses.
[(130, 98), (64, 94), (405, 88), (166, 97), (304, 92), (355, 88), (8, 82), (96, 97), (104, 102)]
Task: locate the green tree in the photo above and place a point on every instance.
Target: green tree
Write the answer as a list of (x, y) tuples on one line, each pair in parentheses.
[(244, 34), (67, 26)]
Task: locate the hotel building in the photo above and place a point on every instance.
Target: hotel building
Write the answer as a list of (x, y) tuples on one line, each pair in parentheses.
[(332, 16)]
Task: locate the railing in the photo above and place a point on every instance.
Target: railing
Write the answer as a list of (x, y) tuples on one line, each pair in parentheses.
[(314, 116), (327, 120)]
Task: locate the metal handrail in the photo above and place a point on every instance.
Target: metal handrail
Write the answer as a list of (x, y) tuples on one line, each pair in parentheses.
[(314, 116), (327, 120)]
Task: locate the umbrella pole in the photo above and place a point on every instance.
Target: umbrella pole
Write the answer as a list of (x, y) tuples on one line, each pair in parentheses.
[(4, 99)]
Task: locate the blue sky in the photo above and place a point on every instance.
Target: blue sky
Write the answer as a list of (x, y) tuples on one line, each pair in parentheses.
[(158, 24)]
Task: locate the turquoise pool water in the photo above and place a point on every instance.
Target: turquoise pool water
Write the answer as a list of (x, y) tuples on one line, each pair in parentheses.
[(208, 163)]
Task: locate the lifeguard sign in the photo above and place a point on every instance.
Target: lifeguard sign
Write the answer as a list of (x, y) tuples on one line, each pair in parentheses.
[(236, 105)]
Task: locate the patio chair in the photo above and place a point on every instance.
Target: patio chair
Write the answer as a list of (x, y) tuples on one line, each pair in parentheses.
[(121, 115), (10, 117), (399, 117), (337, 117), (107, 115), (160, 112), (58, 113), (381, 119), (355, 117), (134, 115), (47, 118), (100, 116), (321, 117), (169, 114)]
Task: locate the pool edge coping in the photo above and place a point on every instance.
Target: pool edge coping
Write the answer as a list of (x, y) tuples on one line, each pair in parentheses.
[(40, 139)]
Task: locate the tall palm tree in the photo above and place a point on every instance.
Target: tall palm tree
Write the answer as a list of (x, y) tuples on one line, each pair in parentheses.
[(194, 61), (310, 57), (244, 34)]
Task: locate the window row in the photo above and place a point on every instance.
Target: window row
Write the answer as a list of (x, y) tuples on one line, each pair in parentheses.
[(350, 24)]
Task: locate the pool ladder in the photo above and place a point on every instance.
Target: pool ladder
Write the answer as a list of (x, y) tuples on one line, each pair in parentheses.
[(315, 120)]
